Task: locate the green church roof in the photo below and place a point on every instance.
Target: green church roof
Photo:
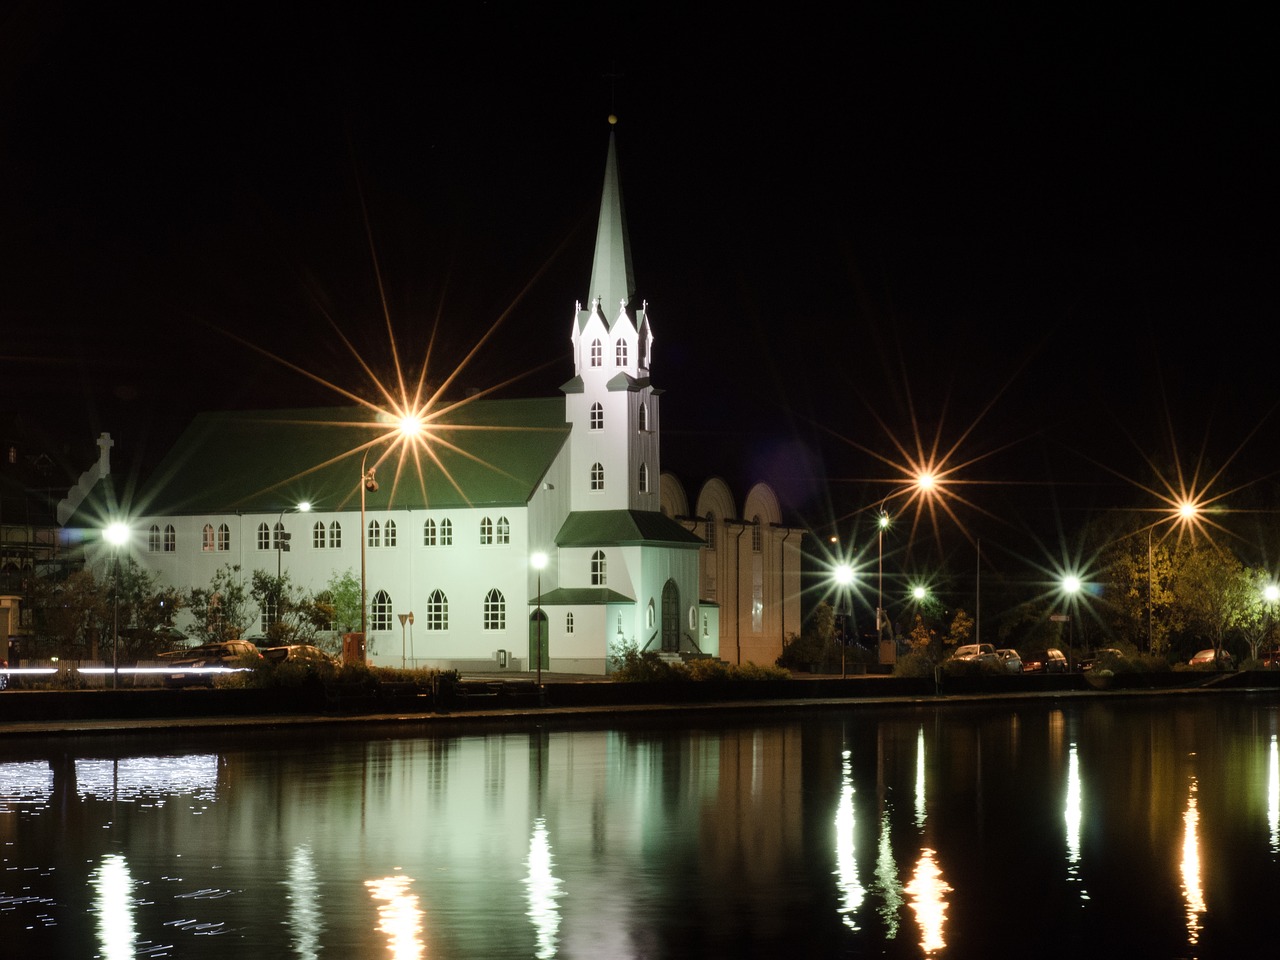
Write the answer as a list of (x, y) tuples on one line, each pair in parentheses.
[(478, 453), (621, 528)]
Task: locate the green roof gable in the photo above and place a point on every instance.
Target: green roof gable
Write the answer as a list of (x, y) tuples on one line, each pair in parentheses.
[(594, 528), (484, 452)]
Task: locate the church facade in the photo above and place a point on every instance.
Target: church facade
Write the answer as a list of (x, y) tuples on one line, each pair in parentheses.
[(504, 535)]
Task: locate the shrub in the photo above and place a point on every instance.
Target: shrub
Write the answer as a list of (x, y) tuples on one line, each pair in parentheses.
[(914, 664)]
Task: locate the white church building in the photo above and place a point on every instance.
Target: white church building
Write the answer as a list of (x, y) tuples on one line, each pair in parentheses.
[(503, 525)]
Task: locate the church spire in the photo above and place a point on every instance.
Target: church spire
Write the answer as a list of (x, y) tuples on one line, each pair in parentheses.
[(611, 278)]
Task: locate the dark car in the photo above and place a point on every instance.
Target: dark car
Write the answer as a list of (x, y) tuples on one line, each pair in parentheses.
[(199, 665), (299, 653), (1107, 658), (1045, 661)]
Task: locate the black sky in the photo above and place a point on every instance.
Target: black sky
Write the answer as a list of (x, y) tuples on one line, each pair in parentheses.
[(1046, 236)]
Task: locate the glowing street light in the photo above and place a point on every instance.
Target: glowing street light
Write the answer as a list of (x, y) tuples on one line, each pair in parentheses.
[(844, 576), (116, 534), (367, 485), (1070, 586)]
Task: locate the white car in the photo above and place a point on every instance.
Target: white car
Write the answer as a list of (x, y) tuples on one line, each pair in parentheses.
[(1011, 658), (977, 652)]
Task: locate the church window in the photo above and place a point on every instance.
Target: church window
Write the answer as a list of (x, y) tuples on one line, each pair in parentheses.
[(206, 538), (373, 535), (620, 354), (317, 535), (277, 539), (495, 610), (335, 534), (568, 622), (599, 569), (486, 532), (503, 530), (389, 533), (153, 539), (437, 611), (755, 534), (170, 538), (644, 478), (710, 533), (649, 615), (446, 533), (597, 417), (380, 611), (264, 537), (597, 353), (224, 538), (429, 533), (644, 415), (597, 476)]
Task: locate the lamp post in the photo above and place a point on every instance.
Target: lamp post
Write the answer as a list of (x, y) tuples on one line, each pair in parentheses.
[(539, 560), (367, 485), (844, 577), (117, 534), (882, 522), (282, 539), (1071, 586)]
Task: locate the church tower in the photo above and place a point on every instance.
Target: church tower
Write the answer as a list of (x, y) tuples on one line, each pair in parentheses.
[(610, 401)]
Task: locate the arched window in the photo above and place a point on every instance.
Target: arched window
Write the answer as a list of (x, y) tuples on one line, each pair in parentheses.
[(224, 538), (486, 532), (446, 533), (755, 534), (597, 353), (374, 534), (644, 415), (317, 535), (709, 533), (599, 569), (335, 534), (504, 530), (153, 539), (389, 533), (437, 611), (620, 354), (597, 476), (206, 538), (597, 417), (264, 537), (568, 622), (429, 533), (277, 536), (649, 615), (380, 611), (644, 478), (170, 538), (495, 610)]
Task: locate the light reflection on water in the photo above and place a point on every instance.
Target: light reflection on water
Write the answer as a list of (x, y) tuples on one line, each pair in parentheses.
[(892, 832)]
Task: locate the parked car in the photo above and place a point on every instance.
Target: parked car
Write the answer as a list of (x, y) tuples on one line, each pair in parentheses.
[(1205, 658), (299, 653), (1106, 657), (976, 652), (1011, 658), (185, 668), (1046, 661)]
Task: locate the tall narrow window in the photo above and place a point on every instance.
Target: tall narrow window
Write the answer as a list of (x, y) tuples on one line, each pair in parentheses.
[(206, 538), (755, 534), (597, 353), (597, 476), (389, 533), (437, 611), (597, 417), (504, 530), (335, 534), (170, 538), (446, 533), (644, 415), (153, 539), (429, 533), (709, 533), (620, 354), (224, 538), (264, 537), (644, 478), (568, 622), (599, 569), (277, 537), (373, 535), (495, 610), (317, 535), (380, 611), (486, 532)]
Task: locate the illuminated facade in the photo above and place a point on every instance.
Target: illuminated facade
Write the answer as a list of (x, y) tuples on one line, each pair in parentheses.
[(450, 536)]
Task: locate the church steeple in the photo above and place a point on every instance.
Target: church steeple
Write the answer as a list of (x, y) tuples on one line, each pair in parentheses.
[(612, 282)]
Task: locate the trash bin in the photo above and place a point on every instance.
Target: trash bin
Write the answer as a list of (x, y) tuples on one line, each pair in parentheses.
[(353, 648)]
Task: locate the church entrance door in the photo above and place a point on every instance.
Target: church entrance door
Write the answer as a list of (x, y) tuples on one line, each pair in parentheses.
[(670, 618)]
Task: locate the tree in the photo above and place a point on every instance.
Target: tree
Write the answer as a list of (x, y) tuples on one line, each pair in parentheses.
[(961, 629), (1143, 607), (342, 596), (1257, 621), (221, 610), (294, 616), (72, 615), (1211, 588)]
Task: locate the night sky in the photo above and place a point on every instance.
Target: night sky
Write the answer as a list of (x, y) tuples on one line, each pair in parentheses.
[(1046, 238)]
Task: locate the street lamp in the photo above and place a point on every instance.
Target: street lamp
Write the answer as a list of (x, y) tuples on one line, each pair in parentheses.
[(117, 534), (282, 539), (882, 522), (367, 485), (844, 577), (1071, 586), (539, 561)]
